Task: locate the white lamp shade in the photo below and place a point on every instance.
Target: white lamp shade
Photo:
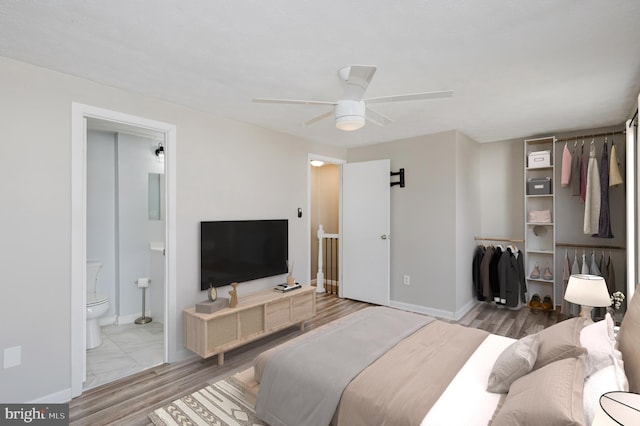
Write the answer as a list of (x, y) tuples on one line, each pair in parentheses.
[(587, 290)]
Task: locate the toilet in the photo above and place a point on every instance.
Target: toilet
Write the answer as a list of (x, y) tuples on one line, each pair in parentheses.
[(97, 305)]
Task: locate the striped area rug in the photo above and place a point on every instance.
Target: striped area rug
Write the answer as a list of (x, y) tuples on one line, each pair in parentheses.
[(220, 404)]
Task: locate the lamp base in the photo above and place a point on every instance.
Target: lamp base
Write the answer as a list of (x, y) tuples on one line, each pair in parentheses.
[(585, 311)]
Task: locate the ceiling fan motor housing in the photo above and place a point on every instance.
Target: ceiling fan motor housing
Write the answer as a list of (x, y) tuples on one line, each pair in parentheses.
[(349, 114)]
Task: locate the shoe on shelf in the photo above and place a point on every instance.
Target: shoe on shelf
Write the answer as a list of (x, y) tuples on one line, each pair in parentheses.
[(547, 303), (547, 275), (535, 274), (535, 301)]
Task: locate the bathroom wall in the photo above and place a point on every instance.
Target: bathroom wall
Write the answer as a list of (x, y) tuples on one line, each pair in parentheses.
[(101, 220), (136, 159), (118, 225)]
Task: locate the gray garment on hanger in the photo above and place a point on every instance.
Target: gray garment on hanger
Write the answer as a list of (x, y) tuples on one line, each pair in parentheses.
[(604, 271), (575, 171), (594, 270), (611, 282), (575, 268), (604, 221)]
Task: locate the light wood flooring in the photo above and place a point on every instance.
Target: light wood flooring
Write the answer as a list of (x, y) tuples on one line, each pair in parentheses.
[(128, 401)]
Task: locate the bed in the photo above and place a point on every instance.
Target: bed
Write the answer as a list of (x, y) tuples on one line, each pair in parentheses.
[(419, 370)]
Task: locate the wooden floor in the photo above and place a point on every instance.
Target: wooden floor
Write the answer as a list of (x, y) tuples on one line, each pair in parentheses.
[(128, 401)]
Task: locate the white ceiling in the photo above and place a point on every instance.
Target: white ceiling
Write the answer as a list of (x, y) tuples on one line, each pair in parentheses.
[(518, 68)]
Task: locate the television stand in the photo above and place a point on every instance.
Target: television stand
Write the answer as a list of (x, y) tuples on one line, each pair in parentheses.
[(257, 315)]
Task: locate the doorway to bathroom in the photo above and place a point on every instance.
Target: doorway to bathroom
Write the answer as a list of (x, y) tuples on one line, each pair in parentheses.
[(125, 250), (123, 234)]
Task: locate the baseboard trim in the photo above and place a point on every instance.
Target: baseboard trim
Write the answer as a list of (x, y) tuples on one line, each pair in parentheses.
[(439, 313), (129, 319), (59, 397)]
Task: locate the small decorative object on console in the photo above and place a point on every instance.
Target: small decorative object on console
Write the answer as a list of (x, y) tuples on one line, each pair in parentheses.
[(233, 302), (290, 278), (212, 294)]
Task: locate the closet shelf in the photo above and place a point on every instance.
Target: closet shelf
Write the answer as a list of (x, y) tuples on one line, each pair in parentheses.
[(540, 168), (540, 224), (540, 251), (540, 280), (539, 196)]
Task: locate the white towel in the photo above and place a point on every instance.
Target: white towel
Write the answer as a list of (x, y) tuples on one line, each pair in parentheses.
[(592, 199)]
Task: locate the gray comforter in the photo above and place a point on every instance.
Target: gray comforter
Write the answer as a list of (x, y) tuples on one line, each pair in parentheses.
[(339, 355)]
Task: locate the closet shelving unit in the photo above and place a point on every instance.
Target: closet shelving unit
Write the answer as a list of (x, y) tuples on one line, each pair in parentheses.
[(540, 238)]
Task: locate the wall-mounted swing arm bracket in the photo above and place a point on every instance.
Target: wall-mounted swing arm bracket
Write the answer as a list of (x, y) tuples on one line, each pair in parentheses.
[(401, 182)]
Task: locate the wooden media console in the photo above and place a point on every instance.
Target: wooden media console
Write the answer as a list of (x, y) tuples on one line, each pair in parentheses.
[(257, 315)]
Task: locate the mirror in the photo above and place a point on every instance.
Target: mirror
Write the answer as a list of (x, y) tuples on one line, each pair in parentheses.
[(154, 196)]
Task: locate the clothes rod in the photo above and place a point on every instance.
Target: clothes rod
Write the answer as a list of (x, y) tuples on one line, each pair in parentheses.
[(594, 135), (591, 246), (509, 240)]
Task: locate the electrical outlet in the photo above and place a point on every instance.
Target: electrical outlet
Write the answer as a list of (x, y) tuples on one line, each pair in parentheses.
[(406, 280)]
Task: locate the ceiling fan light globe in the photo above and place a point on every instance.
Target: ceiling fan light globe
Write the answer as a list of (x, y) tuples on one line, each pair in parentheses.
[(349, 115), (349, 123)]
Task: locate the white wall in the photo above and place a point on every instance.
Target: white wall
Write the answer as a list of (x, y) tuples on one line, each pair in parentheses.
[(468, 196), (423, 219), (225, 170), (501, 179)]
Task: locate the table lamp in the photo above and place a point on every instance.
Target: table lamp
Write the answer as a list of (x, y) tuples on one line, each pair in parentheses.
[(588, 291)]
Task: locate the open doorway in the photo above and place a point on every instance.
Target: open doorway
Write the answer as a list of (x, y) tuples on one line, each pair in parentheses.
[(324, 208), (147, 135)]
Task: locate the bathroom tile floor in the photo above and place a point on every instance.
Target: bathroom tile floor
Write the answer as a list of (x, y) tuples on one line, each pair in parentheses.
[(125, 350)]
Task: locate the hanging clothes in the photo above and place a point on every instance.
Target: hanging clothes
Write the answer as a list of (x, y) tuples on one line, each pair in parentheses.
[(585, 265), (604, 271), (566, 166), (604, 221), (484, 273), (521, 278), (583, 174), (575, 268), (575, 170), (511, 278), (615, 178), (592, 200), (494, 281), (475, 271), (611, 274), (594, 270)]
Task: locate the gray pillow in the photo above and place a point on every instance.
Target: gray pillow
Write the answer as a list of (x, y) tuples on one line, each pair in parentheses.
[(513, 363), (551, 395), (561, 340)]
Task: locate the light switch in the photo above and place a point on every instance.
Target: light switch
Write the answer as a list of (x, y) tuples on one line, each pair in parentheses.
[(12, 357)]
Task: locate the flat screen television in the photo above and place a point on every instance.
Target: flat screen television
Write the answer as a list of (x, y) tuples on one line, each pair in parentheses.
[(242, 250)]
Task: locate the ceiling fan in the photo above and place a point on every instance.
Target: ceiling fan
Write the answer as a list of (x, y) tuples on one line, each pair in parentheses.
[(350, 110)]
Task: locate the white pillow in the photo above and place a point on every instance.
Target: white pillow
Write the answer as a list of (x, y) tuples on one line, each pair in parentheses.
[(607, 379), (599, 340), (514, 362)]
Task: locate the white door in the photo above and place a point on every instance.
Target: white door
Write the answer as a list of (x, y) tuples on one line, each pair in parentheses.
[(365, 231)]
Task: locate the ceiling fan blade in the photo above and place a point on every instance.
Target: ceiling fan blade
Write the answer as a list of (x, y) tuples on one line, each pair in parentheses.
[(412, 97), (377, 118), (357, 81), (318, 118), (290, 101)]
